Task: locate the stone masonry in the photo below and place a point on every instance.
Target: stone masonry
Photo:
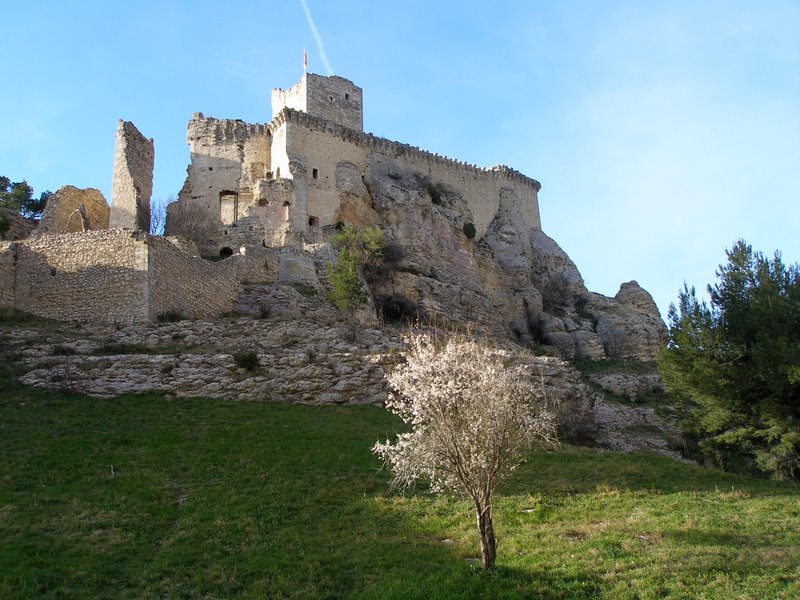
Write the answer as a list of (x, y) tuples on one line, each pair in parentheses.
[(132, 185)]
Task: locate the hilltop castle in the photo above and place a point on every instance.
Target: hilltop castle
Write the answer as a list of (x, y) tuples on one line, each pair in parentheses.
[(292, 180)]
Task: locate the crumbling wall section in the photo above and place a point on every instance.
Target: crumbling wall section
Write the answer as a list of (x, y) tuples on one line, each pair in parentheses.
[(196, 288), (132, 184), (63, 212), (89, 276), (7, 273)]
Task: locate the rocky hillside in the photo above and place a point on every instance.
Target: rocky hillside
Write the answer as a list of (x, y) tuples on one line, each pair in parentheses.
[(514, 282)]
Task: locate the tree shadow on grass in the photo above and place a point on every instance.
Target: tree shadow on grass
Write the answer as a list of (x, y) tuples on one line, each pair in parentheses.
[(577, 470)]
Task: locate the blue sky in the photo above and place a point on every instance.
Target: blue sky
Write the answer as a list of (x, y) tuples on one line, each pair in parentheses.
[(661, 132)]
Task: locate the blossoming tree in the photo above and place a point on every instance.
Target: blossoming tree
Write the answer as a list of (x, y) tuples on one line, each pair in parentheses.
[(473, 415)]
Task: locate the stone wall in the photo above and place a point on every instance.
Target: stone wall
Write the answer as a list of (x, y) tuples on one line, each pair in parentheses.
[(196, 288), (324, 145), (7, 272), (228, 158), (62, 214), (89, 276), (132, 184)]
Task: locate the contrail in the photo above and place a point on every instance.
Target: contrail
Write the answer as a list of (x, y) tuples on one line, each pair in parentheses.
[(317, 37)]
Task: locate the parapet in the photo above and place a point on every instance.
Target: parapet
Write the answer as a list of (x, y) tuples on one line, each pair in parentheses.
[(391, 148)]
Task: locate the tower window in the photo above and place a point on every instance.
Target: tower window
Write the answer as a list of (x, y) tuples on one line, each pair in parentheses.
[(314, 173), (330, 98), (346, 96)]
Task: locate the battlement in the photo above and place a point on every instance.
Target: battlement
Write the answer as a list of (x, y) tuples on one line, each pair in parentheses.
[(222, 131), (392, 148)]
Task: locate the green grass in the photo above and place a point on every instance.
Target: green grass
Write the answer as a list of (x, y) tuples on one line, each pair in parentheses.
[(214, 499)]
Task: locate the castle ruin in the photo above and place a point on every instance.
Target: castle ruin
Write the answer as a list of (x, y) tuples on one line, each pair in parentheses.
[(294, 179)]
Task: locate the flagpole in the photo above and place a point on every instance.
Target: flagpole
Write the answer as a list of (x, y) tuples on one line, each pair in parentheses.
[(305, 61)]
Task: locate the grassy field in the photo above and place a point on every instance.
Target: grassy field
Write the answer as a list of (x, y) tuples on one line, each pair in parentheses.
[(141, 497)]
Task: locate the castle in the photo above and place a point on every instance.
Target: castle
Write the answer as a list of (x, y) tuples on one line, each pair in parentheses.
[(267, 198), (254, 188), (295, 178)]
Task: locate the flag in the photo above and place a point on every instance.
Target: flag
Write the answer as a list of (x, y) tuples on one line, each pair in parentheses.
[(305, 60)]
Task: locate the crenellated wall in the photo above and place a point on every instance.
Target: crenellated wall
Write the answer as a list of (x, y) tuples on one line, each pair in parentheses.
[(317, 128), (323, 145)]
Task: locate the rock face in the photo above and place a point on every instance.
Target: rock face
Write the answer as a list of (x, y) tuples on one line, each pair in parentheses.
[(18, 227), (309, 361), (513, 280), (72, 209)]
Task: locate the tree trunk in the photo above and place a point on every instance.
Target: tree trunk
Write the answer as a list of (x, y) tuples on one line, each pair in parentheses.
[(488, 543)]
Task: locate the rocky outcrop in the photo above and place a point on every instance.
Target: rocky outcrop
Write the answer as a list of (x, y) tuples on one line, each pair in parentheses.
[(14, 226), (513, 280), (278, 358), (72, 209), (630, 325)]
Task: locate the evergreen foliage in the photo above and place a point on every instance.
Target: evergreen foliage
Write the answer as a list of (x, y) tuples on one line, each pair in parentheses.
[(18, 197), (736, 364), (358, 248)]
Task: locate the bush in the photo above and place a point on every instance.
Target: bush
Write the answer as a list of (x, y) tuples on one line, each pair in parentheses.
[(469, 230), (61, 350), (396, 308), (434, 192), (247, 360), (169, 316), (264, 311)]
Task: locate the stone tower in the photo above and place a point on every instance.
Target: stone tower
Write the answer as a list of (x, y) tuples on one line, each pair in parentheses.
[(132, 185), (333, 98)]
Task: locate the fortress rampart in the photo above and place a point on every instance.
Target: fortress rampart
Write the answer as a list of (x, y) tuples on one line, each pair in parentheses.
[(388, 147), (119, 275)]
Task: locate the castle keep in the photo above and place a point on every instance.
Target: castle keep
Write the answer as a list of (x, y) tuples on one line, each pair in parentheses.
[(292, 180)]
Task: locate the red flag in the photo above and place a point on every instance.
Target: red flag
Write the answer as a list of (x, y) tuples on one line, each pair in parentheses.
[(305, 60)]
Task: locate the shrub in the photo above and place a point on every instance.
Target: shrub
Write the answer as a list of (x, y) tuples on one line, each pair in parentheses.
[(115, 348), (469, 230), (61, 350), (398, 309), (247, 360), (434, 192), (473, 419), (169, 316), (264, 311)]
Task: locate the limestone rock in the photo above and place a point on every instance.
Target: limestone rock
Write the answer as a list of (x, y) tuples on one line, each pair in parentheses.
[(630, 325), (72, 209)]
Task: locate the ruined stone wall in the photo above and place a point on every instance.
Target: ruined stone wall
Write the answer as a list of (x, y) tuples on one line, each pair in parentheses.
[(7, 272), (132, 184), (89, 276), (62, 212), (294, 97), (196, 288), (227, 155)]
